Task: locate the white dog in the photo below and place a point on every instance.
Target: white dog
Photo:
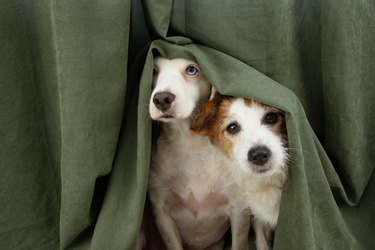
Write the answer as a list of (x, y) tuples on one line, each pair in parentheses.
[(253, 136), (191, 187)]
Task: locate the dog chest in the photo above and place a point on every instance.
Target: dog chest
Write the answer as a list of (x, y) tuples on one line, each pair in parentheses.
[(265, 204), (200, 214)]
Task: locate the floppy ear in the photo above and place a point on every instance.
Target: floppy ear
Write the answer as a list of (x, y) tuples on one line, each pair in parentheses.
[(213, 91), (203, 122)]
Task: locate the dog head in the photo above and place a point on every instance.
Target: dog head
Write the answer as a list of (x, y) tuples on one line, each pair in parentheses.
[(248, 132), (179, 88)]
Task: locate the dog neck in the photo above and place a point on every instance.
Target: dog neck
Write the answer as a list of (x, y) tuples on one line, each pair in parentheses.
[(179, 128), (260, 183)]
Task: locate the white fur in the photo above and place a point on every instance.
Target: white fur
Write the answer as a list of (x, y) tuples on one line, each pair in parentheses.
[(254, 133), (189, 178), (189, 90), (261, 190)]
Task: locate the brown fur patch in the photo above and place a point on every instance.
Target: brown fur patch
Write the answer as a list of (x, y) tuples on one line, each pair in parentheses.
[(225, 145), (209, 121), (248, 102), (205, 122)]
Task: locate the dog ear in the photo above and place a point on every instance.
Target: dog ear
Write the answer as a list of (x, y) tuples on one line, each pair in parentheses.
[(203, 122), (213, 91)]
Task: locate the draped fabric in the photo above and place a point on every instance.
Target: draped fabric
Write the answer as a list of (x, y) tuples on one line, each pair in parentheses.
[(75, 134)]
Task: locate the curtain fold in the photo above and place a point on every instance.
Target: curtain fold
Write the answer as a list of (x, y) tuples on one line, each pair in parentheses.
[(75, 134), (62, 95)]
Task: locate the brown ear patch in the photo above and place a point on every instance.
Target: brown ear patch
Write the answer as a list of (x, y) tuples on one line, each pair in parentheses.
[(248, 102), (206, 122), (210, 122), (203, 122)]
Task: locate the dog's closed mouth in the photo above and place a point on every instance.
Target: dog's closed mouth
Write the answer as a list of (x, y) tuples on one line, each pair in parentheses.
[(260, 169), (167, 116)]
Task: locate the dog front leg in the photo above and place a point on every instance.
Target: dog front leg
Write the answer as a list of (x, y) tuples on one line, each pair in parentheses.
[(263, 235), (240, 226), (168, 229)]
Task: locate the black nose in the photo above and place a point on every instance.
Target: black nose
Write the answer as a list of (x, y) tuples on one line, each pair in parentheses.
[(259, 155), (163, 100)]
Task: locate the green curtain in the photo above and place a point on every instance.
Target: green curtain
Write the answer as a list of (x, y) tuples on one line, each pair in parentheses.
[(75, 132)]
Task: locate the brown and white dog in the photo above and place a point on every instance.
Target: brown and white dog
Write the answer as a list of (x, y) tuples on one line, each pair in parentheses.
[(253, 136), (191, 186)]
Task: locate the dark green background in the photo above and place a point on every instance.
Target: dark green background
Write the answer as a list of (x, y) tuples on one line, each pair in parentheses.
[(75, 132)]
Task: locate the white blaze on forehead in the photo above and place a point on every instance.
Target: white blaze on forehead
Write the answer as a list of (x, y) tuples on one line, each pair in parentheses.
[(171, 67), (248, 116), (169, 73), (172, 63)]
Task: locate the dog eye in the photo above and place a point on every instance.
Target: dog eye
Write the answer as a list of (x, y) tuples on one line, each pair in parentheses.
[(191, 70), (271, 118), (233, 128)]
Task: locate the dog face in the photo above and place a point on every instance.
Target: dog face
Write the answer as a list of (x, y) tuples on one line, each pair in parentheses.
[(250, 133), (179, 87)]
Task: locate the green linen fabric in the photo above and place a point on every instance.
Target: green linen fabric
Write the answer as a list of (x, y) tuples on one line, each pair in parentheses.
[(75, 134), (62, 88)]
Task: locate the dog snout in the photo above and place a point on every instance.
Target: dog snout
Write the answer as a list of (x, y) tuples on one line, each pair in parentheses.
[(163, 100), (259, 155)]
